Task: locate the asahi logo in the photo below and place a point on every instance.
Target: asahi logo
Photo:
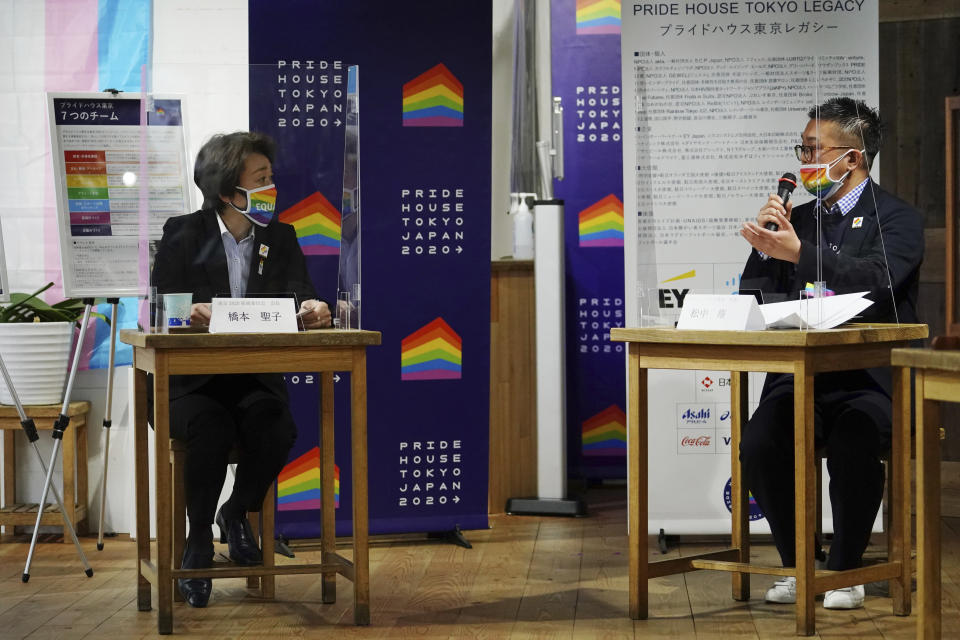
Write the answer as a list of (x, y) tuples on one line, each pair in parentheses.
[(698, 442), (695, 416)]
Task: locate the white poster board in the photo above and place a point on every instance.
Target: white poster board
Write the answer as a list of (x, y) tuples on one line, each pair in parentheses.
[(120, 170), (715, 97)]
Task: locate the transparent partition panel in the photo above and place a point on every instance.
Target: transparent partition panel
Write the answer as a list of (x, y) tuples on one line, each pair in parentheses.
[(348, 285)]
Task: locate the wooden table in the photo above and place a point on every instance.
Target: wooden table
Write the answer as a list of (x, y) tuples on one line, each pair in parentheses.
[(802, 353), (937, 379), (73, 461), (325, 351)]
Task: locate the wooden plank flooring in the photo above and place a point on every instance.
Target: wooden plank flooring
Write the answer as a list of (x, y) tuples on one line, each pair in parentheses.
[(525, 577)]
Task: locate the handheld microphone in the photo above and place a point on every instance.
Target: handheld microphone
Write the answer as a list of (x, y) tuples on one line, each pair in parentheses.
[(785, 186)]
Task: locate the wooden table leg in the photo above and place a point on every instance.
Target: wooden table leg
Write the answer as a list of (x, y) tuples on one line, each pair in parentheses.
[(637, 506), (68, 465), (740, 504), (928, 513), (358, 437), (804, 498), (161, 409), (898, 542), (268, 584), (328, 588), (141, 484)]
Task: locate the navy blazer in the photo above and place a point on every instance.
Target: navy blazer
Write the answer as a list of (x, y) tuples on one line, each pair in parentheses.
[(881, 232), (191, 258)]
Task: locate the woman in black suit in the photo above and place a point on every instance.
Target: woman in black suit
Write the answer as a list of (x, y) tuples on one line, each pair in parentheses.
[(233, 246)]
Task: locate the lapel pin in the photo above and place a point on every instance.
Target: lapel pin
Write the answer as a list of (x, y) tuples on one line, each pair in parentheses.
[(264, 250), (260, 268), (857, 222)]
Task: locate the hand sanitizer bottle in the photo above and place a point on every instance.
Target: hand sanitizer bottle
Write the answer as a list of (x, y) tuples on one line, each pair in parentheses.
[(523, 231)]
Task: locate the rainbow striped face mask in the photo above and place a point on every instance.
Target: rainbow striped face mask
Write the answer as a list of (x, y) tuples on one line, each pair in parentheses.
[(261, 204), (817, 181)]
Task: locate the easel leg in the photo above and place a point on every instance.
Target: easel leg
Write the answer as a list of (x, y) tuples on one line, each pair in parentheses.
[(107, 422)]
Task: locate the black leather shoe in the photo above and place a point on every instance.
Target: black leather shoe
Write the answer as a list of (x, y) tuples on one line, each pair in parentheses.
[(240, 540), (196, 591)]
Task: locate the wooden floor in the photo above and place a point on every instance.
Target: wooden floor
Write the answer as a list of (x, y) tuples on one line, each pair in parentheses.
[(525, 577)]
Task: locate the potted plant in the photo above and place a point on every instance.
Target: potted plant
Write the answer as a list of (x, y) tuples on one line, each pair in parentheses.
[(35, 342)]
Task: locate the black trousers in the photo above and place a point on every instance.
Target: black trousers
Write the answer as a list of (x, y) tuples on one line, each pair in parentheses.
[(226, 411), (852, 420)]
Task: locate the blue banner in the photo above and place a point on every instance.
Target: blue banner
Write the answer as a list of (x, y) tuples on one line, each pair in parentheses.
[(424, 105), (586, 62)]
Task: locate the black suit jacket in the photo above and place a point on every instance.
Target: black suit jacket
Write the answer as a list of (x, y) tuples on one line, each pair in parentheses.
[(890, 234), (191, 258)]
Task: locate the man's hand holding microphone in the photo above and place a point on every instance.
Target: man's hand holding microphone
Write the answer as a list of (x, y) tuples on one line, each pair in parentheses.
[(772, 234)]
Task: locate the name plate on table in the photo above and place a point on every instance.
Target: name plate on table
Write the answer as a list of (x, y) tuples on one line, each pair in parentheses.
[(721, 313), (253, 315)]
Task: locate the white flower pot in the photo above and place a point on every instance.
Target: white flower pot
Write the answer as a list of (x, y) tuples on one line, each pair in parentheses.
[(37, 356)]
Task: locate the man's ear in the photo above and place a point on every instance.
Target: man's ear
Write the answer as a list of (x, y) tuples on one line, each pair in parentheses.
[(855, 160)]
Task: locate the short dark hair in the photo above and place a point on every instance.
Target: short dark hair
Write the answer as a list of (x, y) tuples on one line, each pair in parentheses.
[(857, 122), (220, 163)]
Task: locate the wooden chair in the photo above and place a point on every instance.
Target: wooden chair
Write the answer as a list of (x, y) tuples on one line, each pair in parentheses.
[(263, 527)]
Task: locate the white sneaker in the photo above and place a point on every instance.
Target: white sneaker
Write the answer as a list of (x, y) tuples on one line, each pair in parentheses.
[(846, 598), (783, 591)]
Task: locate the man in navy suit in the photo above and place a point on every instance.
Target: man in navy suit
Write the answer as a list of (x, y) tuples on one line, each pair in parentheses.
[(855, 237), (235, 247)]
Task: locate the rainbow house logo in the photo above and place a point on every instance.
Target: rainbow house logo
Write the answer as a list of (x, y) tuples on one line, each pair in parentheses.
[(433, 352), (605, 434), (317, 223), (598, 17), (298, 485), (433, 99), (601, 224)]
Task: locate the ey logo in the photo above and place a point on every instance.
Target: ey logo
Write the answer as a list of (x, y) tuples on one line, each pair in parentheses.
[(673, 298)]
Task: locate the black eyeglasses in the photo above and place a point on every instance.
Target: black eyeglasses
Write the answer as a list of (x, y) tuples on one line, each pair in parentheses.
[(806, 153)]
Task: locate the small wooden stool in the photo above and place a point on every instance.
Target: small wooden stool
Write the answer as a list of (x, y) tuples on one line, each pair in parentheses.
[(263, 527), (73, 463)]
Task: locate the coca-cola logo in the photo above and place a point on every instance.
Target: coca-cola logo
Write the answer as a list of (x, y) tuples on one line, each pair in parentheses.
[(700, 441)]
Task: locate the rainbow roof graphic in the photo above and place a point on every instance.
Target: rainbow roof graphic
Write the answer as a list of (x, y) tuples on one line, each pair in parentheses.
[(298, 485), (601, 224), (433, 99), (317, 223), (598, 17), (433, 352), (605, 434)]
